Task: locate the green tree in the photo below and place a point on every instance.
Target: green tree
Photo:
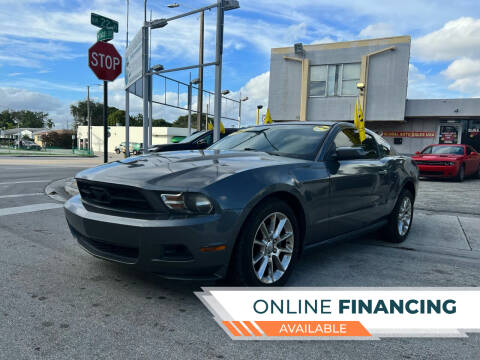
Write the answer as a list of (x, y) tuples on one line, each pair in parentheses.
[(7, 120), (182, 121), (161, 123), (25, 119), (80, 116)]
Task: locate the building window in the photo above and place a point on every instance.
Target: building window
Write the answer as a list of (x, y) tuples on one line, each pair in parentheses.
[(334, 80), (350, 78), (318, 80)]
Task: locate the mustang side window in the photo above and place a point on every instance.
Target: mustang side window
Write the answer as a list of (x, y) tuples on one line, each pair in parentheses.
[(350, 138)]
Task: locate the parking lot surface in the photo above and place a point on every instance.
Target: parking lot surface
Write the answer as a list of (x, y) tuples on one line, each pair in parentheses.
[(59, 302)]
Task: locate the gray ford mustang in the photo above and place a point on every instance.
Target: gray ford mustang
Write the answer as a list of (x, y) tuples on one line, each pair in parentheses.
[(246, 207)]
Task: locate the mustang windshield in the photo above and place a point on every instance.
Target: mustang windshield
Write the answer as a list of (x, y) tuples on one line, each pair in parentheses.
[(454, 150), (298, 141)]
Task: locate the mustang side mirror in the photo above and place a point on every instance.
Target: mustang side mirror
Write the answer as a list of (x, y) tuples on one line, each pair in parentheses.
[(349, 153), (417, 153), (202, 143)]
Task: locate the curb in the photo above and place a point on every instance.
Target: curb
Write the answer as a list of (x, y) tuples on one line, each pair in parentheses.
[(61, 190), (71, 187)]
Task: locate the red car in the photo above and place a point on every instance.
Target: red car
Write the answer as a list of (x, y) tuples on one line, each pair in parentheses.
[(448, 161)]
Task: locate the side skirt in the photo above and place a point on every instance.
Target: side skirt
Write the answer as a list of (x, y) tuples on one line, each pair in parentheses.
[(348, 236)]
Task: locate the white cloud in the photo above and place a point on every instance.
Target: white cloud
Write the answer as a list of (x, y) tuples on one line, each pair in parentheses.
[(378, 30), (257, 91), (425, 85), (455, 39), (21, 99), (465, 73)]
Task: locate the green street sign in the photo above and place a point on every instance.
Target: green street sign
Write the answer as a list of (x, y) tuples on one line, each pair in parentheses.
[(104, 22), (104, 35)]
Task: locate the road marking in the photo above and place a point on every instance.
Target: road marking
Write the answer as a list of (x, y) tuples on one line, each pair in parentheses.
[(19, 195), (24, 182), (29, 208)]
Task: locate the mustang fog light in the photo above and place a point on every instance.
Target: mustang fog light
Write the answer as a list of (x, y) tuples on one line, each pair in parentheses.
[(199, 203)]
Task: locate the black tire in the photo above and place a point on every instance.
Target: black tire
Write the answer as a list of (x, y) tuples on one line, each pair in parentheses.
[(391, 231), (477, 174), (117, 151), (461, 174), (241, 271), (134, 152)]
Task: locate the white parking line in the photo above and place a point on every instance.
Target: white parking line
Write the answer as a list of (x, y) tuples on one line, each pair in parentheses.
[(24, 182), (29, 208), (20, 195)]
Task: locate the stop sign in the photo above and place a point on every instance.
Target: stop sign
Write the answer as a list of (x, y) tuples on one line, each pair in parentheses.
[(105, 61)]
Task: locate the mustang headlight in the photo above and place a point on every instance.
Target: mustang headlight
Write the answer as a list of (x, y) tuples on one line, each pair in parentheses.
[(188, 202)]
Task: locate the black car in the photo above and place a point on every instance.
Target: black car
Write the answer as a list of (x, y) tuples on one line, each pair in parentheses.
[(198, 140), (29, 145), (248, 206)]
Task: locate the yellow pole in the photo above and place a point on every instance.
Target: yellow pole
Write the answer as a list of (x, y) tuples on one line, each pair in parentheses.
[(258, 115)]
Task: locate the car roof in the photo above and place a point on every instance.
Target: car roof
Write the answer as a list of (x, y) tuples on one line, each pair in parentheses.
[(463, 145)]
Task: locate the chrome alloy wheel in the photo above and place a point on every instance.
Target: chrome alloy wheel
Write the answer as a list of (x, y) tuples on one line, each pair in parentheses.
[(404, 216), (272, 248)]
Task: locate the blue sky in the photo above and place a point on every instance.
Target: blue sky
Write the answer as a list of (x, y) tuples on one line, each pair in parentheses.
[(44, 44)]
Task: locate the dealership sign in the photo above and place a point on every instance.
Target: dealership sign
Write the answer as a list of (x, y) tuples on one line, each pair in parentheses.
[(134, 60), (343, 313), (413, 134)]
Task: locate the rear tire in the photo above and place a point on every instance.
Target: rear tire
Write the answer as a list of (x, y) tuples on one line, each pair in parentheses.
[(400, 219), (117, 151), (477, 175), (267, 248), (461, 174)]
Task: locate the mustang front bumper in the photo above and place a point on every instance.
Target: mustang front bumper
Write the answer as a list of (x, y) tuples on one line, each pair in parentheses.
[(195, 247)]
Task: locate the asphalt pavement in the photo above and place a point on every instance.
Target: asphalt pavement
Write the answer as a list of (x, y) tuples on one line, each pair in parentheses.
[(59, 302)]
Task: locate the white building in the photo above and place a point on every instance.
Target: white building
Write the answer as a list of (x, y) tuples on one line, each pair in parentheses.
[(160, 135)]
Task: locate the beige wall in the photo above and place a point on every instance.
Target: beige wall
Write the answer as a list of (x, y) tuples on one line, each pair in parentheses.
[(160, 135)]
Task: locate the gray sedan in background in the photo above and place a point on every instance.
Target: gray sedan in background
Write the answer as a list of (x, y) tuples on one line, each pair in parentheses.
[(246, 207)]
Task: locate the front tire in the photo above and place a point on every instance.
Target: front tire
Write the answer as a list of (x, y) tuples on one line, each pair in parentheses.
[(400, 219), (267, 249), (461, 174)]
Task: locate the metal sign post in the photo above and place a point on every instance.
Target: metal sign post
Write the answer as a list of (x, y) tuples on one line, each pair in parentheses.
[(106, 63), (105, 125)]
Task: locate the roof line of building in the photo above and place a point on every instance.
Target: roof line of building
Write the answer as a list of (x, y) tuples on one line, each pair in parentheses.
[(347, 44)]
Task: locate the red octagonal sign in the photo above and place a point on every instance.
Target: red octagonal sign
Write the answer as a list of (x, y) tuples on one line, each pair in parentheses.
[(105, 61)]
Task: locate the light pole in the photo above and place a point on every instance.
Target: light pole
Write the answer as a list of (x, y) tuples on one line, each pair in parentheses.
[(194, 81), (258, 112), (240, 108), (222, 6), (200, 70), (127, 103)]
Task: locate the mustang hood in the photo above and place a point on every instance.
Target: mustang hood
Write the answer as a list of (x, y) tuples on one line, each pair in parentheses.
[(437, 157), (181, 170)]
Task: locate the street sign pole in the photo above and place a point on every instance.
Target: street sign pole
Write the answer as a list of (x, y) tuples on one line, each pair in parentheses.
[(127, 101), (105, 127)]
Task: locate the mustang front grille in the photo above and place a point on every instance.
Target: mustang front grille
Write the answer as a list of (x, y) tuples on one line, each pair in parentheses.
[(112, 196)]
